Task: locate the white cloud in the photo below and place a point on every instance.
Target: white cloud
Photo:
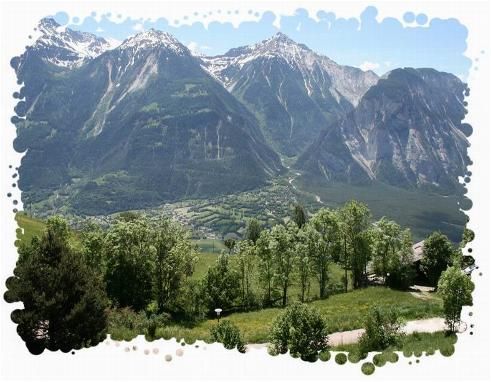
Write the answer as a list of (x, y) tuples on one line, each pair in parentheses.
[(367, 65), (197, 49), (138, 27), (99, 30), (387, 63)]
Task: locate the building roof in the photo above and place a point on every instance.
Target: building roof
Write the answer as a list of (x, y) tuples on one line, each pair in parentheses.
[(418, 251)]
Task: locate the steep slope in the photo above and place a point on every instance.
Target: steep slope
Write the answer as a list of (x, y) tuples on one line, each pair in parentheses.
[(57, 50), (64, 47), (294, 91), (406, 131), (138, 125)]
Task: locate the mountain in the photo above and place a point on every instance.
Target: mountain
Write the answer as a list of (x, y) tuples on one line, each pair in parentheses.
[(64, 47), (57, 50), (135, 126), (406, 131), (294, 92), (111, 129)]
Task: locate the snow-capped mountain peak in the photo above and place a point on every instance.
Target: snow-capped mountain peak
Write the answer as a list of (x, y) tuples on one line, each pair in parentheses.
[(153, 38), (65, 47), (348, 82)]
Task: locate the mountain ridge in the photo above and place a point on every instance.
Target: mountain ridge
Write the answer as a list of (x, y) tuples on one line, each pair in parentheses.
[(148, 121)]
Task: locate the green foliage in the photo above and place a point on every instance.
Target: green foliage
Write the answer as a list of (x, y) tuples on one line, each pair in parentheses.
[(341, 358), (455, 288), (391, 248), (438, 252), (246, 261), (324, 244), (467, 237), (411, 344), (92, 239), (230, 244), (175, 258), (382, 330), (193, 302), (354, 223), (402, 271), (301, 330), (368, 368), (129, 255), (154, 322), (64, 300), (268, 279), (228, 334), (299, 215), (282, 246), (325, 355), (221, 285), (253, 230)]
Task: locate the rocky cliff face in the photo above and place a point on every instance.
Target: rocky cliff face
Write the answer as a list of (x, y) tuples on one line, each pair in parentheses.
[(294, 91), (65, 47), (406, 131)]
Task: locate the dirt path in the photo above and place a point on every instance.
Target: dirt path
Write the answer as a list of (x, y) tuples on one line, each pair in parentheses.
[(430, 325)]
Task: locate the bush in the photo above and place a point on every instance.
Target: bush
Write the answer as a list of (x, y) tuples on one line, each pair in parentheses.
[(228, 334), (154, 322), (193, 301), (382, 329), (126, 318), (300, 329)]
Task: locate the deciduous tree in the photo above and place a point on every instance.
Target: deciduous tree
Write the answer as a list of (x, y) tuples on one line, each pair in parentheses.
[(456, 288), (438, 252)]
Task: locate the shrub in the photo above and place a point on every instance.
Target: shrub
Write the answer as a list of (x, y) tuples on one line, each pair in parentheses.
[(300, 329), (154, 322), (228, 334), (382, 329), (126, 318)]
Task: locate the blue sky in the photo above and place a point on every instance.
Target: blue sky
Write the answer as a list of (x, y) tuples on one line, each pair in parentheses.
[(366, 43)]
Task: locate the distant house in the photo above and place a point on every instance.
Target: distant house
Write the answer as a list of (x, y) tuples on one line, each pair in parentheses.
[(417, 250)]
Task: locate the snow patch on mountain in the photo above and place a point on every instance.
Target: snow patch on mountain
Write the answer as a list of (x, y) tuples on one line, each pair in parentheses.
[(347, 81), (67, 48), (152, 39)]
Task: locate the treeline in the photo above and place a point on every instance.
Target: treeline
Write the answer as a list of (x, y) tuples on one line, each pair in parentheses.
[(138, 270)]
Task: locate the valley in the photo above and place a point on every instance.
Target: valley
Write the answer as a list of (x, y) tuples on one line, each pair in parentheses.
[(213, 141), (214, 218)]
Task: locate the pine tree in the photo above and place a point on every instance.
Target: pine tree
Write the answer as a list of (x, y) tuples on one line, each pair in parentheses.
[(64, 299)]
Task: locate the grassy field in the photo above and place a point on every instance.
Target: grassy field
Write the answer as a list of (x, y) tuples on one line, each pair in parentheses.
[(344, 311), (28, 228), (210, 245)]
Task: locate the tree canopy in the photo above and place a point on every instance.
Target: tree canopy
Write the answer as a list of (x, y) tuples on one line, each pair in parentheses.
[(64, 299)]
